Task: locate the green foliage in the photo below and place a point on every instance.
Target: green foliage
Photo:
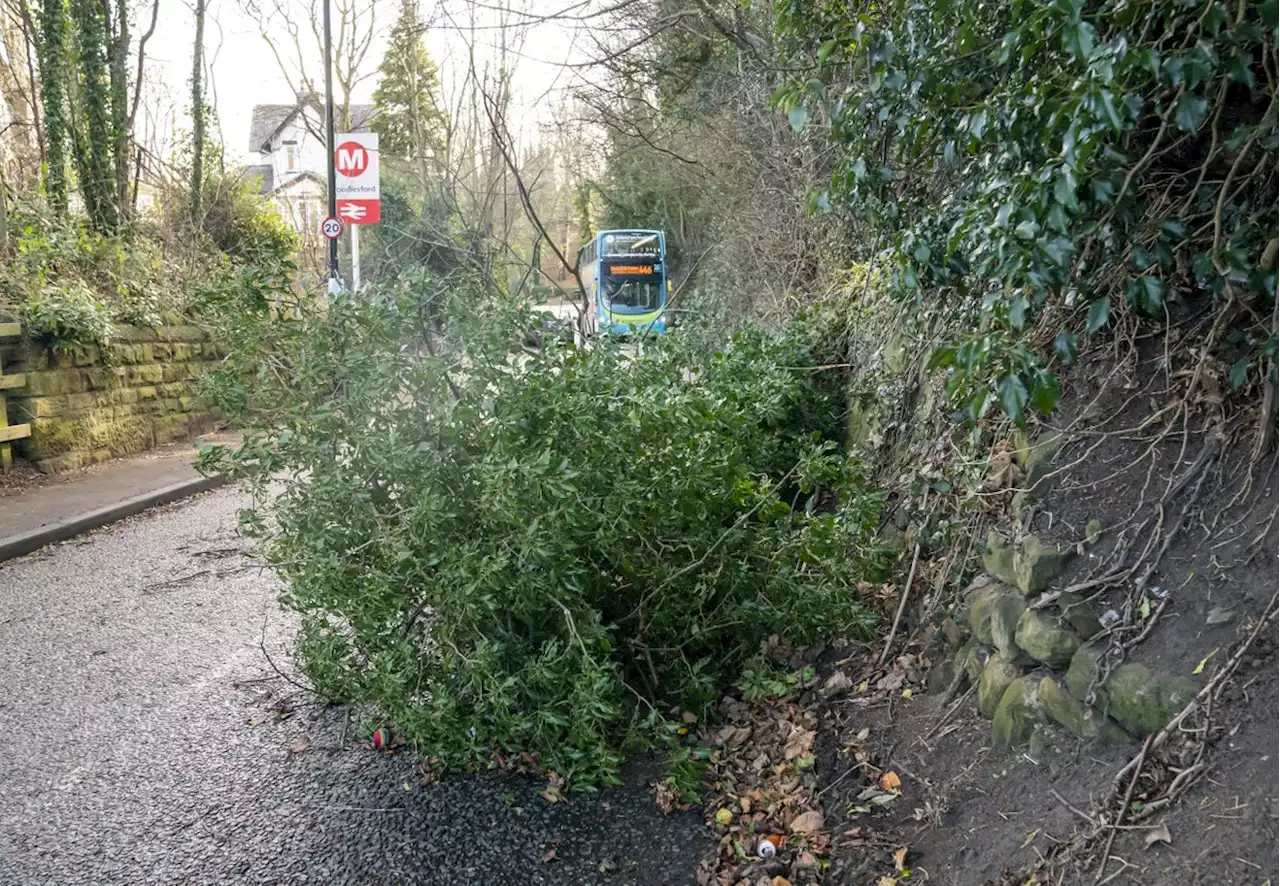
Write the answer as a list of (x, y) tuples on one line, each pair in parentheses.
[(1043, 169), (409, 121), (504, 551), (419, 230), (95, 142), (243, 224), (53, 74), (67, 316)]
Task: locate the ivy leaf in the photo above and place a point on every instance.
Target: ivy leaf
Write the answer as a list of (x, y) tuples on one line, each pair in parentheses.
[(1098, 314), (1045, 392), (1239, 374), (1078, 39), (1190, 112), (1147, 294), (824, 51), (1064, 345), (1018, 312), (941, 357), (798, 116), (1064, 190), (1013, 398), (1025, 229), (1109, 105), (1240, 69)]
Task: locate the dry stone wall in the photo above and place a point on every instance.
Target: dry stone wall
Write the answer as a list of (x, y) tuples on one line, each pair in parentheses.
[(93, 404), (1039, 657)]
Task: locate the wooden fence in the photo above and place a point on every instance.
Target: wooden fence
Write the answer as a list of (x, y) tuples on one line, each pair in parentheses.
[(8, 432)]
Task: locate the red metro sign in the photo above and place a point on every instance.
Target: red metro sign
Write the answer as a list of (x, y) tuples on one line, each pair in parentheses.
[(355, 159), (351, 159)]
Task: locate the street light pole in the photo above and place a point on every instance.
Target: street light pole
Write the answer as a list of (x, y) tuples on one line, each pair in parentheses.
[(329, 146)]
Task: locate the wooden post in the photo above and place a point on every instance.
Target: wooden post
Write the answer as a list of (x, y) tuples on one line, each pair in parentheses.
[(8, 432)]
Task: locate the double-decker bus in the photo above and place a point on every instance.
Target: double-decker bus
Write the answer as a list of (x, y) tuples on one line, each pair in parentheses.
[(625, 275)]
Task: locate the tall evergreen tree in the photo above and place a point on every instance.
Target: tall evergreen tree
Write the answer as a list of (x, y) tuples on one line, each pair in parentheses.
[(409, 121)]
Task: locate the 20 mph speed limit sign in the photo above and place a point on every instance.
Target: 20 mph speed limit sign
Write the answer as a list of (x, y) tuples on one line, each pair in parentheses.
[(331, 227)]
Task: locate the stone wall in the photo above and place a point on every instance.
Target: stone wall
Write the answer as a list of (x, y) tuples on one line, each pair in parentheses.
[(1041, 658), (91, 405)]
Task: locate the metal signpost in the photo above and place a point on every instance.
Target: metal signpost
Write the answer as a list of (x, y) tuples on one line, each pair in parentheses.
[(358, 189), (328, 117)]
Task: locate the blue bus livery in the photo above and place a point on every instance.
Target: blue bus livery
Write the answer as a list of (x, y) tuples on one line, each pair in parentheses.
[(625, 274)]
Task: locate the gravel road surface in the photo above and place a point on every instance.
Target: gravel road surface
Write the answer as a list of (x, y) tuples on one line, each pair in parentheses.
[(141, 741)]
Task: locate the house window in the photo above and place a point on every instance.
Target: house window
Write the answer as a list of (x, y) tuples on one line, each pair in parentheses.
[(291, 156)]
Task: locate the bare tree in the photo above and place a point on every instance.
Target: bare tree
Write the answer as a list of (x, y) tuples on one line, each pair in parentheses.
[(294, 32)]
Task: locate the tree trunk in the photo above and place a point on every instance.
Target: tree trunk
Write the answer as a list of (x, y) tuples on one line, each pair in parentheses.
[(53, 68), (120, 105), (197, 116), (97, 181)]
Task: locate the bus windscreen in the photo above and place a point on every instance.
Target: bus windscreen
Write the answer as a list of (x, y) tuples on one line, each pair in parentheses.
[(628, 245)]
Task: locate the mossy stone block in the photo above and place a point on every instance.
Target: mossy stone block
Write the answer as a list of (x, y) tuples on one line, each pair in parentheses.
[(1078, 718), (150, 374), (1039, 636), (1036, 564), (969, 660), (54, 382), (42, 407), (1083, 669), (1143, 701), (992, 602), (56, 436), (995, 679), (125, 332), (998, 558), (1077, 612), (1019, 713)]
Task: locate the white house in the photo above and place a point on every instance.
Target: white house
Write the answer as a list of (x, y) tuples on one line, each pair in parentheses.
[(290, 143)]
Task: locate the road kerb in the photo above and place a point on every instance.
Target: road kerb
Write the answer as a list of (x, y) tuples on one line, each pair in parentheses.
[(61, 530)]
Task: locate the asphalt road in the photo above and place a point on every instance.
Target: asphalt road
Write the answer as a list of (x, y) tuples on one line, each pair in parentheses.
[(141, 742)]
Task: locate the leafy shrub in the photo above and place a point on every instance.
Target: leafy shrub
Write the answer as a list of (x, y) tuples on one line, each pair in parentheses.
[(552, 552), (67, 316), (1039, 171), (244, 225)]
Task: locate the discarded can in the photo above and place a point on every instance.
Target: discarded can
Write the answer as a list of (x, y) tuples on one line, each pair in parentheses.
[(768, 846), (382, 738)]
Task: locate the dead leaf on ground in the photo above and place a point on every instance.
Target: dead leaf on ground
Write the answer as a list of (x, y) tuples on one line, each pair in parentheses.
[(549, 856), (900, 859), (780, 881), (807, 822), (1158, 834), (887, 881), (890, 781), (551, 794), (1219, 615), (300, 745)]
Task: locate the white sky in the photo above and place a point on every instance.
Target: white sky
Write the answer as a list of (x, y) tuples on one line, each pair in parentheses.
[(245, 72)]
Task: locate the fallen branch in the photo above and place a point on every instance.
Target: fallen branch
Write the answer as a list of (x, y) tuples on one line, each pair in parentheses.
[(1124, 807), (902, 605)]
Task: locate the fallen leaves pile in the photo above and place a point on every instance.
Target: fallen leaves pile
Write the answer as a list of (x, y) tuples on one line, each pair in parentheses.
[(764, 807)]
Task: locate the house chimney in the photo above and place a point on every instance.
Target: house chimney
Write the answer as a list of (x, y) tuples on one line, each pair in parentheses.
[(306, 94)]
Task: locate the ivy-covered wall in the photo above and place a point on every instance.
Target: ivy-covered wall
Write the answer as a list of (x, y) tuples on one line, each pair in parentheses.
[(93, 404)]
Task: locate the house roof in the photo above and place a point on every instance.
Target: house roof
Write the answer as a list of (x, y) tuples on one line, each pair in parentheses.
[(287, 184), (264, 172), (269, 119)]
